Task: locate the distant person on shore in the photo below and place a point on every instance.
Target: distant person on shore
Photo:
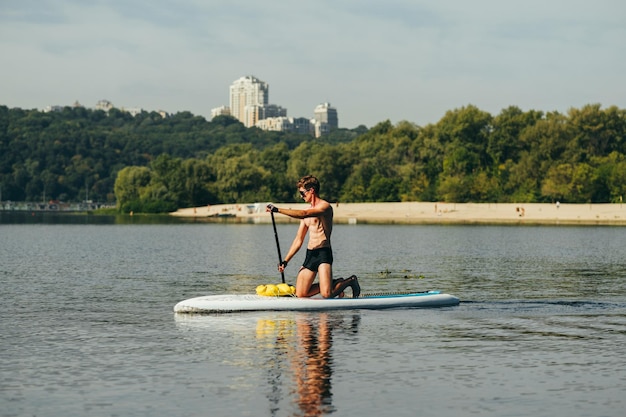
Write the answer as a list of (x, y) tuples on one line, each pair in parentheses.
[(317, 221)]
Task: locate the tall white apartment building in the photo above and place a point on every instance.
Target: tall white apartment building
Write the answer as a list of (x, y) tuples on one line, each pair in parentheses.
[(324, 113), (248, 98)]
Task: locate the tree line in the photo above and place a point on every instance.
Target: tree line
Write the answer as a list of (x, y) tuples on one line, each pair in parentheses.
[(152, 164), (75, 154)]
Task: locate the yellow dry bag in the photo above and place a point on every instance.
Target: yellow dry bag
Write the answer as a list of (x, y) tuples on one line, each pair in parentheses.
[(278, 290)]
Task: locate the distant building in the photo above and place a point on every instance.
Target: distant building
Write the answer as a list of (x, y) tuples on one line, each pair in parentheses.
[(105, 105), (319, 128), (272, 110), (134, 111), (49, 109), (57, 108), (275, 124), (301, 125), (249, 103), (220, 111), (286, 124), (324, 113), (247, 95)]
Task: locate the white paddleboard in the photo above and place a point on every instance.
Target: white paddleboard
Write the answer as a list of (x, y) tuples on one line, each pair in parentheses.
[(249, 302)]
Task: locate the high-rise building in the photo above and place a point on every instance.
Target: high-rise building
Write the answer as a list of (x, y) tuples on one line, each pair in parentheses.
[(247, 95), (324, 113)]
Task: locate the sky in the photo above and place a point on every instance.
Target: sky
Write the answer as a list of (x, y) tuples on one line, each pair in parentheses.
[(373, 61)]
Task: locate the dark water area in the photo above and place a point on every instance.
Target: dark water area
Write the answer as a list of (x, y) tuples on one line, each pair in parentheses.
[(87, 327), (56, 217)]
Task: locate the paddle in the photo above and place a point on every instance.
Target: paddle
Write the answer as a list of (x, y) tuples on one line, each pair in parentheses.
[(280, 257)]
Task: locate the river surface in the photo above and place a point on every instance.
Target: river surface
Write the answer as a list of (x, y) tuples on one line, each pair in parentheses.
[(87, 327)]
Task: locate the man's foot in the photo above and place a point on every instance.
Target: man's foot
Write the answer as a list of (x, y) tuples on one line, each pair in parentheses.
[(356, 288), (341, 284)]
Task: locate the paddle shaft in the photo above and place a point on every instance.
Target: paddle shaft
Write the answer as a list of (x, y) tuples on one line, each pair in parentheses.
[(280, 257)]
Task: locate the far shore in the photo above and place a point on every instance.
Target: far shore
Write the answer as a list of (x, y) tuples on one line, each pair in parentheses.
[(430, 213)]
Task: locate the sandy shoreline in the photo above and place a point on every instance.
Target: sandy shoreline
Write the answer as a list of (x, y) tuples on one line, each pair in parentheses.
[(431, 213)]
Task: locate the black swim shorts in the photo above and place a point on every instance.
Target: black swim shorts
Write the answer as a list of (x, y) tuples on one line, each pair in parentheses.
[(316, 257)]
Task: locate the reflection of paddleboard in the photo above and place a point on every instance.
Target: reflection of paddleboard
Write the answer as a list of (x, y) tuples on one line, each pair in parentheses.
[(248, 302)]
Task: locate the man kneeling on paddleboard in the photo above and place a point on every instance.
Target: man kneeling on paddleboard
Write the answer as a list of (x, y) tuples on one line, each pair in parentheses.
[(317, 220)]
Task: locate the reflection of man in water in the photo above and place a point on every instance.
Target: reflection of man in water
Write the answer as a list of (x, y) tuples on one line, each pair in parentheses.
[(310, 359), (312, 367)]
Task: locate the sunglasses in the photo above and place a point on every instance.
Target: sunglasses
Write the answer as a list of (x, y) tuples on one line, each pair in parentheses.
[(303, 193)]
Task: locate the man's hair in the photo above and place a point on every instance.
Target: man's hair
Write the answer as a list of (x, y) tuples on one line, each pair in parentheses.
[(308, 182)]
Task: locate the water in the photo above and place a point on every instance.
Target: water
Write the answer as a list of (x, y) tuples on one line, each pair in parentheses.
[(87, 326)]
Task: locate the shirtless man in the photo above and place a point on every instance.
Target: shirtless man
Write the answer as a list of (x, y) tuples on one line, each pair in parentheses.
[(317, 220)]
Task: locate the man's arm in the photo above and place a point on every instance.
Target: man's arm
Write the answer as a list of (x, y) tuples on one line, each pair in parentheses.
[(297, 242), (316, 211)]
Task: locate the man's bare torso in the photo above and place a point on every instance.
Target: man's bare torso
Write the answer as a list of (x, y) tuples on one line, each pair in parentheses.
[(320, 229)]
